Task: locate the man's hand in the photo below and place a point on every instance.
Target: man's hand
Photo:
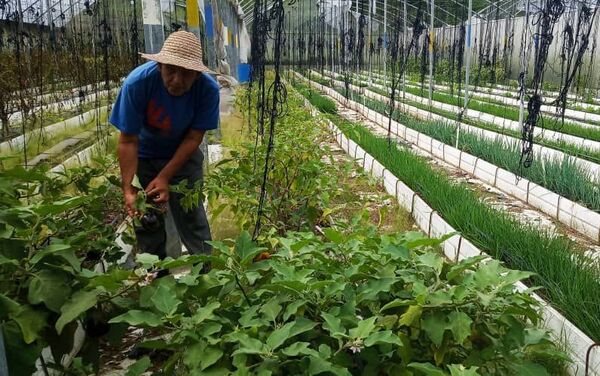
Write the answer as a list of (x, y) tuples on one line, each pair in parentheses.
[(158, 190), (130, 196)]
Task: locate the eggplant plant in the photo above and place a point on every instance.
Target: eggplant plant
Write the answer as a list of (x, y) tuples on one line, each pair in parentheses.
[(347, 303), (57, 242)]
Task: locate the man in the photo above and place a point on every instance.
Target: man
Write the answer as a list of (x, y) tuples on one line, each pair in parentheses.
[(162, 112)]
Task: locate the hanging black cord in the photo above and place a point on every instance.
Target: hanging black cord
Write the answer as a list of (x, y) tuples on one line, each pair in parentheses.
[(546, 19), (362, 21), (134, 37), (584, 28), (278, 98), (418, 28), (258, 55)]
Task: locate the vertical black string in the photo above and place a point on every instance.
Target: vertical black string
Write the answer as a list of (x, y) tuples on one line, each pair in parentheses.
[(278, 97)]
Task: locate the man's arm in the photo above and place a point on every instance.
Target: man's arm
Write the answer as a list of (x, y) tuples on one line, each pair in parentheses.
[(127, 151), (159, 187)]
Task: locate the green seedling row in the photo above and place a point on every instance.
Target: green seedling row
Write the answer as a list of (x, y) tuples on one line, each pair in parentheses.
[(488, 90), (570, 282), (560, 175), (503, 111)]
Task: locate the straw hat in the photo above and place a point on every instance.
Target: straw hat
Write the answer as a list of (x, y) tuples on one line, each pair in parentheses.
[(182, 49)]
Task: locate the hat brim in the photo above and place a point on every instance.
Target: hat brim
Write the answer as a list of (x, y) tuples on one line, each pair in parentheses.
[(177, 61)]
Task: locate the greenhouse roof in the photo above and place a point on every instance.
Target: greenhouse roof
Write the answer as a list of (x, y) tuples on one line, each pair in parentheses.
[(447, 12)]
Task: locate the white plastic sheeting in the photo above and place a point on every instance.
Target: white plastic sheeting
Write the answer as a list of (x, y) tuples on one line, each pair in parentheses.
[(17, 142), (67, 104), (458, 248)]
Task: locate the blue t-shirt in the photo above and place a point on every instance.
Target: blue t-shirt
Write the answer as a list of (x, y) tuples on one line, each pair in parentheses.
[(160, 120)]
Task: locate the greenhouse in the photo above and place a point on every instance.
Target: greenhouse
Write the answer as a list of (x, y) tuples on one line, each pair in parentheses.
[(294, 187)]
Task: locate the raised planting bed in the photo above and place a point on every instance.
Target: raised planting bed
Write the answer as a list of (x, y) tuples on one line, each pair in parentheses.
[(575, 109), (510, 90), (584, 157), (313, 302), (571, 134), (559, 174), (15, 145), (432, 196), (576, 216), (17, 117)]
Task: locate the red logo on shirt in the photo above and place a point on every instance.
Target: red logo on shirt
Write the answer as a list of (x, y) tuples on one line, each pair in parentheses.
[(158, 118)]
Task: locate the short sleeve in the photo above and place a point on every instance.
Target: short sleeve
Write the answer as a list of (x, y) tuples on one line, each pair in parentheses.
[(128, 113), (207, 110)]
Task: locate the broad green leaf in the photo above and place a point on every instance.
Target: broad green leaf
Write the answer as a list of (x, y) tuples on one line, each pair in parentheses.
[(385, 336), (460, 370), (31, 322), (427, 369), (139, 367), (246, 249), (388, 321), (79, 302), (459, 324), (111, 280), (8, 306), (210, 356), (299, 348), (333, 325), (291, 287), (164, 300), (138, 318), (209, 328), (302, 325), (325, 351), (513, 276), (292, 308), (193, 354), (146, 294), (432, 260), (417, 239), (397, 303), (187, 260), (205, 312), (528, 368), (397, 252), (374, 287), (58, 207), (147, 260), (289, 330), (21, 357), (435, 326), (279, 335), (364, 328), (459, 268), (50, 287), (488, 274), (440, 298), (4, 261), (319, 365), (333, 235), (283, 272), (533, 336), (412, 314), (157, 344), (6, 232), (250, 318), (59, 250), (271, 309), (247, 345)]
